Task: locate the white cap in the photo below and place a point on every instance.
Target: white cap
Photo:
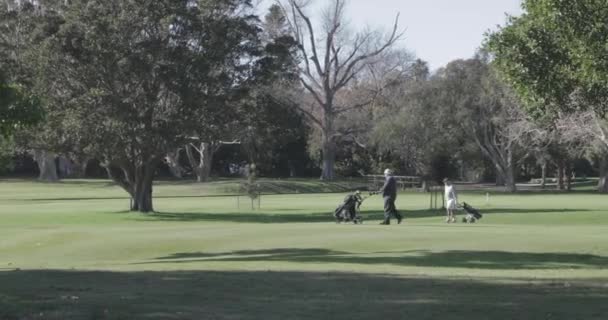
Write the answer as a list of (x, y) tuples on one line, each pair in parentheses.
[(388, 172)]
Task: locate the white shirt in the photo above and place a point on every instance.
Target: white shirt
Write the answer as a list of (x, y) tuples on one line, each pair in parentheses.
[(450, 194)]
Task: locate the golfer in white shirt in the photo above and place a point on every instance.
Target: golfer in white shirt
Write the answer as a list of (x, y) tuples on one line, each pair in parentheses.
[(451, 200)]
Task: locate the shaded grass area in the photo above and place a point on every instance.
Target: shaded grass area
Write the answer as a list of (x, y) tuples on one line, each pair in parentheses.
[(327, 216), (58, 295), (493, 260)]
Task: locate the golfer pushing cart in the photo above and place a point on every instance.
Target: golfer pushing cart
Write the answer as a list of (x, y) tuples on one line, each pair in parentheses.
[(451, 199)]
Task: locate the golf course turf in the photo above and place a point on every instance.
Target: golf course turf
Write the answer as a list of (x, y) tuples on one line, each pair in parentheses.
[(71, 250)]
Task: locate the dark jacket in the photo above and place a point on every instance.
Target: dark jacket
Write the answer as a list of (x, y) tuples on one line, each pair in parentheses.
[(389, 189)]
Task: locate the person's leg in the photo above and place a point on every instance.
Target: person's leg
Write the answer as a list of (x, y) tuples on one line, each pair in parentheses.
[(395, 212), (450, 206), (387, 211)]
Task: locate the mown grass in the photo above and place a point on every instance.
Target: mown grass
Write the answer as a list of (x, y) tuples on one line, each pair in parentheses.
[(71, 251)]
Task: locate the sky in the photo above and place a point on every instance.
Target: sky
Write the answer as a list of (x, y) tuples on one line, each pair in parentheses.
[(437, 31)]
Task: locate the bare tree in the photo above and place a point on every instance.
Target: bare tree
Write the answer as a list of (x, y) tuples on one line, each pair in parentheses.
[(584, 125), (588, 130), (536, 141), (201, 164), (172, 159), (331, 58)]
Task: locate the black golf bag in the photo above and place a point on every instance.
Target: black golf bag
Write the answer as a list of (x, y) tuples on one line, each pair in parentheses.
[(348, 211), (472, 214)]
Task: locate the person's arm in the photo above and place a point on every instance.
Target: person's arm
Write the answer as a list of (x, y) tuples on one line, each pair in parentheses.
[(386, 183)]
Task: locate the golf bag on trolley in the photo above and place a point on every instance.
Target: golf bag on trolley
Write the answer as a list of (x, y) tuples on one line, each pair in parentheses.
[(348, 211), (472, 214)]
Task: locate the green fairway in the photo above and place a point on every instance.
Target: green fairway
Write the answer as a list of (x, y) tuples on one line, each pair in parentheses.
[(72, 251)]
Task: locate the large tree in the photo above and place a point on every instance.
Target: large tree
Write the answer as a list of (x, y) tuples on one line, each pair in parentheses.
[(18, 110), (331, 59), (554, 55), (252, 119), (25, 24), (414, 126), (17, 107), (486, 110), (143, 85)]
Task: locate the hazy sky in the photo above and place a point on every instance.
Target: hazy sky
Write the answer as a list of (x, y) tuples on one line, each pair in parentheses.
[(437, 31)]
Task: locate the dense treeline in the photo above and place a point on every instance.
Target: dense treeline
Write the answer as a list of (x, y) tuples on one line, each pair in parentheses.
[(193, 89)]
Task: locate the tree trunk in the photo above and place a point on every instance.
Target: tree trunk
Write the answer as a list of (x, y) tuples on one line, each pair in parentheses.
[(137, 181), (79, 167), (506, 177), (510, 185), (172, 160), (141, 200), (207, 154), (202, 167), (560, 175), (425, 186), (500, 176), (64, 167), (292, 169), (510, 175), (568, 174), (46, 165), (543, 169), (329, 157), (602, 185), (108, 171)]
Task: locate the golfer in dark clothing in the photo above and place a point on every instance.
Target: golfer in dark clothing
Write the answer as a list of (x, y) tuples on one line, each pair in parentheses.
[(389, 194)]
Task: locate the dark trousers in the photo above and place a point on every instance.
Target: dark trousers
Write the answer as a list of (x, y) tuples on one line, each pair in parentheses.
[(389, 209)]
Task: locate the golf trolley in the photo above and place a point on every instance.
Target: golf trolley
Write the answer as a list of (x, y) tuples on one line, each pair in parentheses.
[(349, 210), (472, 214)]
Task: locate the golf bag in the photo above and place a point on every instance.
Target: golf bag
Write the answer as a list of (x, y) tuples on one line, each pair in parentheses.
[(348, 211), (472, 214)]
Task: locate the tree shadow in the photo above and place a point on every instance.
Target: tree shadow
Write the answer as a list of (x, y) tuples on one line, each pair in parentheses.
[(489, 260), (241, 217), (296, 216), (55, 295)]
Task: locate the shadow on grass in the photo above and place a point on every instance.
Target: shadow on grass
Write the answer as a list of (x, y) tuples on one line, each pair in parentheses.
[(76, 295), (247, 217), (493, 260), (295, 217)]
